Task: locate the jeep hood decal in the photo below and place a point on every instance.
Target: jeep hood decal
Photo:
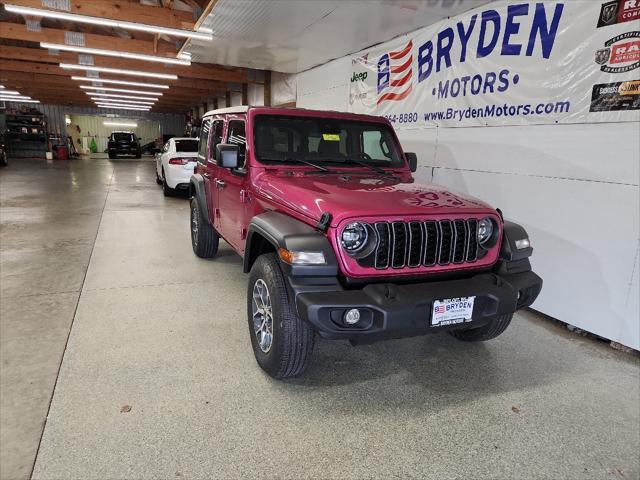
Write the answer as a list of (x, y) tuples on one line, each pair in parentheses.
[(357, 195)]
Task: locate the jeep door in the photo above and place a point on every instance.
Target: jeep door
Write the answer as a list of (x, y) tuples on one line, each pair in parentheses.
[(232, 194), (210, 136)]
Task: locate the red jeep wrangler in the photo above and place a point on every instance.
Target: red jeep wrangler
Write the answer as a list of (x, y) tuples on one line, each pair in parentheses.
[(340, 240)]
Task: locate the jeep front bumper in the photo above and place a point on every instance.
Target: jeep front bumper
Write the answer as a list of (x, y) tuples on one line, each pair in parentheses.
[(396, 311)]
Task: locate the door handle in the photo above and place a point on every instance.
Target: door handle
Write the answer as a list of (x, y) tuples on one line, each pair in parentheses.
[(221, 183), (206, 175)]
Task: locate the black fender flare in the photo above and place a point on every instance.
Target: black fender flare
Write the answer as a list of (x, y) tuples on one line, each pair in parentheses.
[(513, 259), (197, 191), (283, 231), (511, 233)]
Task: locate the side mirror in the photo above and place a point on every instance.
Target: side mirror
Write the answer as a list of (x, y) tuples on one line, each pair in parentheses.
[(227, 155), (412, 159)]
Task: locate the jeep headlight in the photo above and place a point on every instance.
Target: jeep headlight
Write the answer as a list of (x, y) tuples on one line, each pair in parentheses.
[(487, 232), (354, 237)]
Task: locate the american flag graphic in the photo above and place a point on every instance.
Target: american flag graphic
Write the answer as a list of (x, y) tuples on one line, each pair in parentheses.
[(440, 309), (395, 73)]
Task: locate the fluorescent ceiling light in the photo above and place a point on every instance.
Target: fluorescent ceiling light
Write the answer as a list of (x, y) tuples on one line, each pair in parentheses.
[(123, 90), (119, 124), (117, 95), (10, 92), (18, 100), (123, 107), (115, 100), (114, 53), (39, 12), (119, 82), (118, 71), (16, 97)]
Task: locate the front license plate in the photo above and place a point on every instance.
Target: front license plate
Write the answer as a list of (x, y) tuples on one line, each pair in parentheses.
[(451, 311)]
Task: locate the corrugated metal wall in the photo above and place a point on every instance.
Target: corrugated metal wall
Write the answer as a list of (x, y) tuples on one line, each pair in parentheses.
[(170, 123), (91, 126)]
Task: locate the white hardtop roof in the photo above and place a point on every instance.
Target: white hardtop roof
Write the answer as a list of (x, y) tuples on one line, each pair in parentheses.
[(219, 111)]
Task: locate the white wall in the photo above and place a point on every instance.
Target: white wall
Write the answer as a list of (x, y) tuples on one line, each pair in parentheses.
[(283, 88), (574, 187), (255, 94), (236, 99)]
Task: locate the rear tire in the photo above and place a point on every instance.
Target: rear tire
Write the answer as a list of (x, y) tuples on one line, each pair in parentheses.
[(112, 156), (204, 239), (3, 159), (487, 332), (166, 189), (292, 340)]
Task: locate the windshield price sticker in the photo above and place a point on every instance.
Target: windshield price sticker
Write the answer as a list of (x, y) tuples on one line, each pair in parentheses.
[(451, 311), (330, 137)]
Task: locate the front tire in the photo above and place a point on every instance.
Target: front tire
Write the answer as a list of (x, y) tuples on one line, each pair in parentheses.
[(3, 159), (282, 343), (487, 332), (204, 239)]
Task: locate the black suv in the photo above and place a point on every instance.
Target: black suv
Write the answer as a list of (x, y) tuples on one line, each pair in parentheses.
[(124, 143)]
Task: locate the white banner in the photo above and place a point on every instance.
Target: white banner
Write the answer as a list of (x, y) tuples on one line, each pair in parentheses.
[(508, 63)]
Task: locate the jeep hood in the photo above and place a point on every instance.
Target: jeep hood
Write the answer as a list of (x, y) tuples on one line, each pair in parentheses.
[(359, 195)]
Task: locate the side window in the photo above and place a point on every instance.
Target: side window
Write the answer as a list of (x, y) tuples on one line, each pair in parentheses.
[(216, 138), (204, 137), (236, 136)]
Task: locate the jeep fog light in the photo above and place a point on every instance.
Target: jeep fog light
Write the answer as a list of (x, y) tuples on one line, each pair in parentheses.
[(302, 258), (352, 316), (523, 243)]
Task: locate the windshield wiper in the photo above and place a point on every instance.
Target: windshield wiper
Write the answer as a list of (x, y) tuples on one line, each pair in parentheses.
[(299, 160), (378, 170)]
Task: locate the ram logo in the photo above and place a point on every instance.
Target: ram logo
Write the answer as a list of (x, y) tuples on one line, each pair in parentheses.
[(609, 12), (602, 56)]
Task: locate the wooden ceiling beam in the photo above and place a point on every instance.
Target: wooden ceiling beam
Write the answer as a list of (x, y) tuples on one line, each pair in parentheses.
[(59, 83), (46, 94), (66, 101), (201, 71), (18, 31), (125, 10), (201, 86)]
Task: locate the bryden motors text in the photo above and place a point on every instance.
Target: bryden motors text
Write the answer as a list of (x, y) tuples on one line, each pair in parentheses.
[(496, 111)]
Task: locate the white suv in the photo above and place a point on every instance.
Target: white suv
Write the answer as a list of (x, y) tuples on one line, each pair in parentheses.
[(175, 163)]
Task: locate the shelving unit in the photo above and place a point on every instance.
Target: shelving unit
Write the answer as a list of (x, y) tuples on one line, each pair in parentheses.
[(25, 133)]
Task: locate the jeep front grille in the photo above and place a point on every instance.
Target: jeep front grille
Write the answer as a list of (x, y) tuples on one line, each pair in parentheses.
[(430, 243)]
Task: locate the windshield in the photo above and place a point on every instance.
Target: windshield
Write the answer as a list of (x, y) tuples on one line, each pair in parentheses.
[(187, 146), (280, 139), (122, 137)]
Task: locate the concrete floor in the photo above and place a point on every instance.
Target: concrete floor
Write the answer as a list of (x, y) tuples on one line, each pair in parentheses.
[(94, 245)]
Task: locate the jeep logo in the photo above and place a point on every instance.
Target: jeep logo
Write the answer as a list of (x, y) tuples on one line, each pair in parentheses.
[(359, 77)]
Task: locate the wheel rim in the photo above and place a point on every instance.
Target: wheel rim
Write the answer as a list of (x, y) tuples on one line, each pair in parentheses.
[(194, 226), (262, 315)]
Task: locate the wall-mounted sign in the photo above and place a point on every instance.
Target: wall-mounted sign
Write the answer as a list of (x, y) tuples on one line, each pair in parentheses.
[(505, 63)]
